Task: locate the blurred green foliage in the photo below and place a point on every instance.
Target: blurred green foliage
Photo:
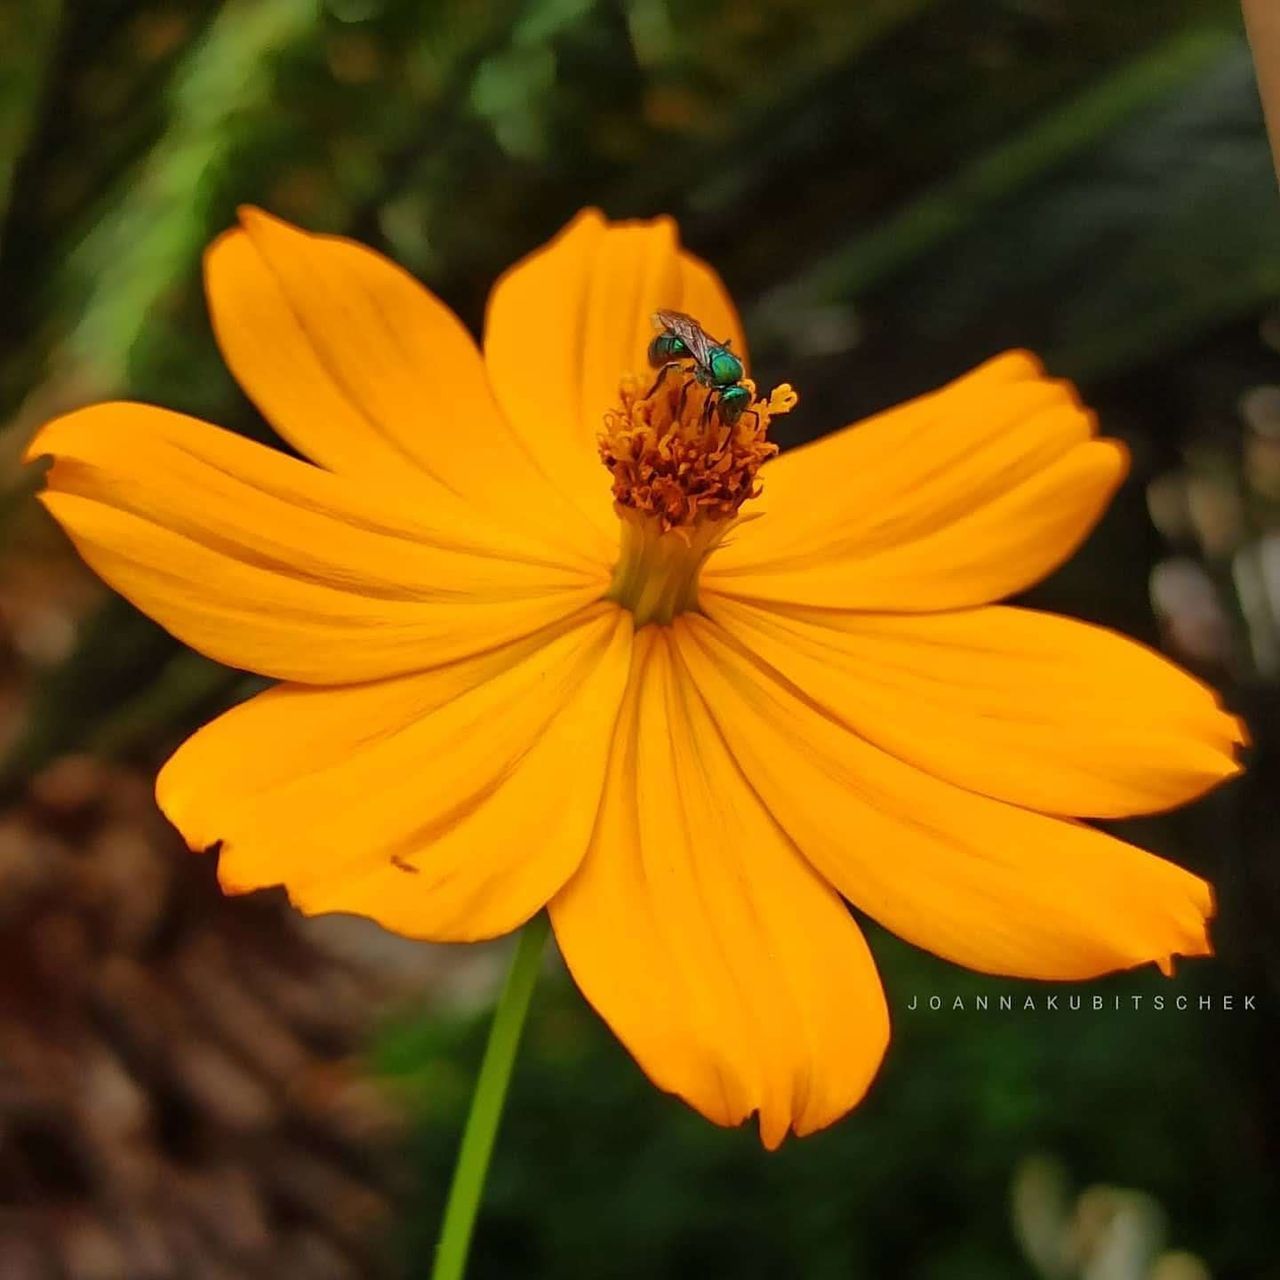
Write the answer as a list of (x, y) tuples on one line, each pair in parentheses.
[(893, 189), (598, 1175)]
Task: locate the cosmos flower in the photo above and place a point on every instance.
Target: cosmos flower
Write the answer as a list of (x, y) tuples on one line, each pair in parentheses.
[(550, 636)]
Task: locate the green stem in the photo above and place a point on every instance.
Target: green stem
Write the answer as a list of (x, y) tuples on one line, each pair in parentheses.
[(486, 1103)]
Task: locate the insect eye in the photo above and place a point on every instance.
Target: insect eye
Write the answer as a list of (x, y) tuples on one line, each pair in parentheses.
[(666, 347)]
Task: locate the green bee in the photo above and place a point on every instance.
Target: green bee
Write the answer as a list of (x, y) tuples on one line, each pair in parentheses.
[(681, 338)]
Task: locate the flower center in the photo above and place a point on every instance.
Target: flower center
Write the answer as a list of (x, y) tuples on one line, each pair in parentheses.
[(680, 474)]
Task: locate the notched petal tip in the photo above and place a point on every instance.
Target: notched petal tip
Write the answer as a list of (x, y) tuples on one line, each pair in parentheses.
[(597, 217), (1230, 763), (256, 226), (1194, 951), (1195, 941), (44, 444), (40, 464), (179, 812), (62, 436), (251, 215), (60, 444), (268, 231), (237, 887), (253, 226), (775, 1127), (812, 1115)]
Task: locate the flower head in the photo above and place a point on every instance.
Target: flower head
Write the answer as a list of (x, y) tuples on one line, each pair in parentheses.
[(693, 700), (675, 463)]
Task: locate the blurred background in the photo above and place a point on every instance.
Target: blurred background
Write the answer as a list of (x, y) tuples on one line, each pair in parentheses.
[(894, 190)]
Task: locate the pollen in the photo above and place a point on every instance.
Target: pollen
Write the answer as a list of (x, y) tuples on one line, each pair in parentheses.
[(680, 475), (674, 459)]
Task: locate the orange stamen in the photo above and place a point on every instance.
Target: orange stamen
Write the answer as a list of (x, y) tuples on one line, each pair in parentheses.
[(671, 460), (680, 475)]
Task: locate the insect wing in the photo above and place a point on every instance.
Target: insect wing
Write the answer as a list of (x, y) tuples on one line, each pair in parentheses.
[(690, 332)]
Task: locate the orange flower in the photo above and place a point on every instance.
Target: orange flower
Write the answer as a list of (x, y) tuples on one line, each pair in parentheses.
[(513, 679)]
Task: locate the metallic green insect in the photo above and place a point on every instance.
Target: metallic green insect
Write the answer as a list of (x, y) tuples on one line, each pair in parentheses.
[(681, 338)]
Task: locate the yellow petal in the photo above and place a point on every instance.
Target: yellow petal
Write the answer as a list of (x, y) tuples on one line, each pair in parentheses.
[(1041, 711), (565, 324), (956, 499), (735, 976), (267, 563), (439, 804), (369, 374), (975, 880)]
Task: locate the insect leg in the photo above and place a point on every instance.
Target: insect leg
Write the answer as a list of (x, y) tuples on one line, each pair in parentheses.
[(684, 399), (661, 378)]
